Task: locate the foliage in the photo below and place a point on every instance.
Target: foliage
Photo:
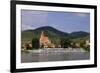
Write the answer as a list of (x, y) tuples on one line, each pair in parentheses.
[(56, 37), (51, 32), (73, 45), (84, 46), (42, 46), (28, 47), (35, 43), (65, 43)]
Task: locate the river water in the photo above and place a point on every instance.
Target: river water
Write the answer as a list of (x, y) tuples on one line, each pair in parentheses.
[(54, 54)]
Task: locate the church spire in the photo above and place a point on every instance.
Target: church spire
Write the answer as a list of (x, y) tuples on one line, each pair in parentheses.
[(42, 34)]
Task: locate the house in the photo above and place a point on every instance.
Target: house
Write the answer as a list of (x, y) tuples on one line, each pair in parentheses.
[(87, 42)]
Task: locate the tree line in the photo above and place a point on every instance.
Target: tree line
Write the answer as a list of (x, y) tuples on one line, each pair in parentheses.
[(63, 42)]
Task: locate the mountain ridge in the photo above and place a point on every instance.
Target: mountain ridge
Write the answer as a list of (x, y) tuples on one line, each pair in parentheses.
[(52, 33)]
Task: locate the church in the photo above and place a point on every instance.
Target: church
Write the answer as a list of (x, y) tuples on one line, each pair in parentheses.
[(45, 41)]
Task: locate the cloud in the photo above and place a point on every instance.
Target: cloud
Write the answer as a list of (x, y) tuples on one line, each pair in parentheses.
[(31, 18), (26, 27), (82, 14)]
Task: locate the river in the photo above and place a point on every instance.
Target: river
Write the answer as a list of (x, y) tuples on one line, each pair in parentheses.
[(54, 54)]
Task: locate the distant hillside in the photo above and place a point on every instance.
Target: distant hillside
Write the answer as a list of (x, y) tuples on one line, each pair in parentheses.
[(79, 34), (51, 33)]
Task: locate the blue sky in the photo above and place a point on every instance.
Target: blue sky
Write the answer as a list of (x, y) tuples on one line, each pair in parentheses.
[(63, 21)]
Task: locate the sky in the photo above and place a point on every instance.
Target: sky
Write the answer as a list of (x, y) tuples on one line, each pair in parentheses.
[(63, 21)]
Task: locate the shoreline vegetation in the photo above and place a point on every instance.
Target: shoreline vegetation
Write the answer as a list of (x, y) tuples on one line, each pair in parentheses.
[(49, 37)]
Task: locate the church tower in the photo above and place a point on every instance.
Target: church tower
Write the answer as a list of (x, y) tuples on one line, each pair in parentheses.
[(44, 41)]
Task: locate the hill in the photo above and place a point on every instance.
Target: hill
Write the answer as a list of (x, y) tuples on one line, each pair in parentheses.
[(52, 33)]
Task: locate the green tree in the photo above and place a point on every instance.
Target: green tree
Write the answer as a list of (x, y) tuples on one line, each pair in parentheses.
[(82, 44), (35, 43), (65, 42)]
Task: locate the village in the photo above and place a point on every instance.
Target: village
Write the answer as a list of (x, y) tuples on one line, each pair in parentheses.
[(45, 42)]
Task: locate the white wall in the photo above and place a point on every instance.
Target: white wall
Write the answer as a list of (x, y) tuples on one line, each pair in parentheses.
[(5, 36)]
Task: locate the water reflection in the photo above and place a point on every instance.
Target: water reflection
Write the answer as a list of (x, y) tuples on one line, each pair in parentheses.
[(44, 55)]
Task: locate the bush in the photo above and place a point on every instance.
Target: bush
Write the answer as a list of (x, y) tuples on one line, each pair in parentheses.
[(87, 48), (28, 47), (84, 46), (42, 46), (73, 45), (65, 43)]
